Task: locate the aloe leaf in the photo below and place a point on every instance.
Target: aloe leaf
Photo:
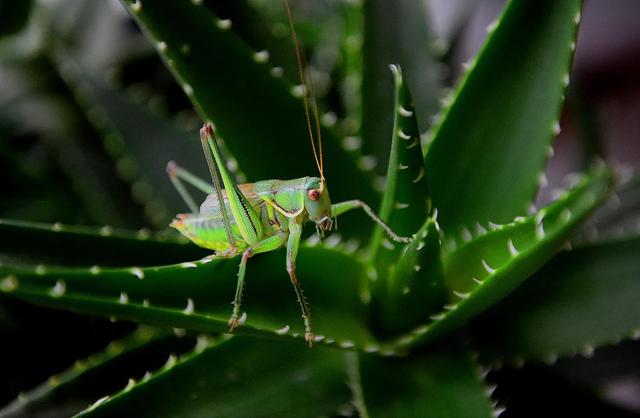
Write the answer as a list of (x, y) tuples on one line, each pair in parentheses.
[(441, 382), (352, 65), (482, 270), (147, 142), (32, 243), (395, 32), (495, 132), (238, 377), (415, 288), (68, 392), (583, 299), (197, 295), (405, 200), (235, 88)]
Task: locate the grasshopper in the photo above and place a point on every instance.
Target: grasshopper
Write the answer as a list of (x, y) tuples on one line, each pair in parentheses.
[(252, 218)]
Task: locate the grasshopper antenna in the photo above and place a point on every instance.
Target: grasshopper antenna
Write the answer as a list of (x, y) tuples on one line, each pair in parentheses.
[(317, 153)]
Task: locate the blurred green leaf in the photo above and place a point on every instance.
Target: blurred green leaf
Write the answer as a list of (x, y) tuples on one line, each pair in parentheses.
[(396, 33), (31, 243), (68, 392)]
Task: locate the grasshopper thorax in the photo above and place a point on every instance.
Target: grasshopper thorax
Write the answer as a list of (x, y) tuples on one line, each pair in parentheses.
[(318, 203)]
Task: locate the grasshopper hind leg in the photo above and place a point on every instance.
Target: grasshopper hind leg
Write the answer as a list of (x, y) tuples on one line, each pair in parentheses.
[(269, 244)]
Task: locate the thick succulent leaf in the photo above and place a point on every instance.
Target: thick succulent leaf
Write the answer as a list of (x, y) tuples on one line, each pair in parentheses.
[(197, 295), (13, 15), (31, 243), (481, 271), (250, 104), (441, 382), (352, 65), (405, 201), (238, 377), (415, 288), (395, 32), (68, 392), (142, 143), (496, 131), (582, 299)]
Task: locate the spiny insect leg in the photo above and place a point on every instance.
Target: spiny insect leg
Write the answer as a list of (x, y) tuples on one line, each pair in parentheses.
[(292, 251), (177, 175), (266, 245)]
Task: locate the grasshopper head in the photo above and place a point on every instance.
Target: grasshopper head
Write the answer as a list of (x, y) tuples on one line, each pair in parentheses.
[(317, 203)]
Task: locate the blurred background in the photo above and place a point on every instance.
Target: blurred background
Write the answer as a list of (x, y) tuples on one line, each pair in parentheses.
[(89, 117)]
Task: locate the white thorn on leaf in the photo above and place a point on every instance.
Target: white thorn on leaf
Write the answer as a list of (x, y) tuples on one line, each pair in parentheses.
[(223, 24), (487, 267), (420, 175), (137, 271), (124, 298), (9, 284), (190, 307), (283, 330), (405, 112), (59, 289), (346, 344), (188, 265), (461, 295), (540, 230), (261, 56), (512, 248)]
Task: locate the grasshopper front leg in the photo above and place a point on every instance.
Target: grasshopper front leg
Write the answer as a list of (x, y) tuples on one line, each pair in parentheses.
[(338, 209), (292, 251)]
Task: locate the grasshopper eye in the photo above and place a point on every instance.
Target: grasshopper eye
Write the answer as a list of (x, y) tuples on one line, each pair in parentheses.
[(314, 194)]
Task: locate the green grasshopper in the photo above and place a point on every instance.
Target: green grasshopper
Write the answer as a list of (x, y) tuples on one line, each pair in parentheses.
[(252, 218)]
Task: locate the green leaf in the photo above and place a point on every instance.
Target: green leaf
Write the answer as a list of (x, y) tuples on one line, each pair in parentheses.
[(582, 299), (415, 287), (405, 201), (441, 382), (14, 15), (69, 392), (239, 377), (146, 141), (31, 243), (489, 150), (197, 295), (232, 86), (352, 66), (395, 33), (482, 270)]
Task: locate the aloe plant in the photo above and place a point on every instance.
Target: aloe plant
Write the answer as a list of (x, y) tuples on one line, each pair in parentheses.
[(407, 330)]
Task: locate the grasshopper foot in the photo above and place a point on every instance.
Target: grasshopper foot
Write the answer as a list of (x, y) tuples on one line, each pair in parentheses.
[(235, 322), (309, 337)]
